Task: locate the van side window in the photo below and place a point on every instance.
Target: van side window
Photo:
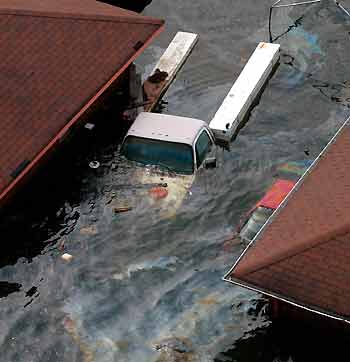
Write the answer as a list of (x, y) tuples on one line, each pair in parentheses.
[(203, 146)]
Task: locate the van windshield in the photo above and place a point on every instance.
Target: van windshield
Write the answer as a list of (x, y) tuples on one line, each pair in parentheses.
[(173, 156)]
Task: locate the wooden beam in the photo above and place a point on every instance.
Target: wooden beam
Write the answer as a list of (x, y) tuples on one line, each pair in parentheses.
[(167, 68)]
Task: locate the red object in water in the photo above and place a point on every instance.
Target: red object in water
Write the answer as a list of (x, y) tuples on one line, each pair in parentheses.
[(272, 198), (158, 192), (276, 194)]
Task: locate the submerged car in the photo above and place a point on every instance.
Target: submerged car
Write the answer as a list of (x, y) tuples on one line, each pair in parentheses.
[(260, 213), (166, 153), (263, 209)]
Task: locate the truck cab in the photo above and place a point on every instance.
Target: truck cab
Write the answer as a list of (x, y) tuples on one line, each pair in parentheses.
[(179, 144), (165, 152)]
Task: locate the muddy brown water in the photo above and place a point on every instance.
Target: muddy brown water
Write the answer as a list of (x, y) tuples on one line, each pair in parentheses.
[(142, 289)]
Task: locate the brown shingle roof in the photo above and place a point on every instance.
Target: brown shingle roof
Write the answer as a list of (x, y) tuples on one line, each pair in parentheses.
[(57, 57), (73, 7), (303, 255)]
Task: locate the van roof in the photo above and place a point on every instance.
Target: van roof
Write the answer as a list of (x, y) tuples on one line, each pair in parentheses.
[(166, 127)]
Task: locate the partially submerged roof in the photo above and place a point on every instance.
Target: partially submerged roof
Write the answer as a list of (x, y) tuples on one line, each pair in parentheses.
[(57, 58), (166, 127), (302, 256)]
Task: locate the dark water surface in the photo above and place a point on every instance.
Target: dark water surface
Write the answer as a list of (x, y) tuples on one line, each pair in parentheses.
[(143, 289)]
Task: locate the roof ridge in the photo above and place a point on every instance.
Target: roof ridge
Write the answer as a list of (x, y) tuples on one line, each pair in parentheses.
[(134, 19), (308, 245)]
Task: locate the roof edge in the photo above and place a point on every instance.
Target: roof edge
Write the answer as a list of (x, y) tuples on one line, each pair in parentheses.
[(285, 201), (134, 19), (75, 119), (271, 294), (314, 241)]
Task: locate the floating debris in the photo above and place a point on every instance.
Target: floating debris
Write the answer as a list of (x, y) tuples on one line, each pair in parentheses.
[(163, 262), (181, 345), (175, 349), (89, 230), (89, 126), (118, 210), (67, 257), (61, 245), (158, 76), (158, 193), (118, 276), (31, 291), (94, 164), (109, 201), (26, 305), (153, 85)]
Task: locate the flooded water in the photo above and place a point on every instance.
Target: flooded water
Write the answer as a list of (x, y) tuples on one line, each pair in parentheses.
[(140, 288)]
